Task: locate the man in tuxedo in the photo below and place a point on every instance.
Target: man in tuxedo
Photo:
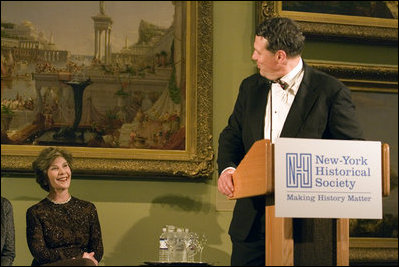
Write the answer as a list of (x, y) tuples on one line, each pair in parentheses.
[(287, 98)]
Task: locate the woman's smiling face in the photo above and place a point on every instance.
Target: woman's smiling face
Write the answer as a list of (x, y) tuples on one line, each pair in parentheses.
[(59, 174)]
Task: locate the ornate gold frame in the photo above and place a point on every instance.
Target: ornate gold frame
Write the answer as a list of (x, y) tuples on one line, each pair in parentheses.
[(369, 250), (195, 161), (333, 26), (361, 77)]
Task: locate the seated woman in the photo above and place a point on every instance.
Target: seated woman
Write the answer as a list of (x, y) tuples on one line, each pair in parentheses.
[(7, 233), (61, 229)]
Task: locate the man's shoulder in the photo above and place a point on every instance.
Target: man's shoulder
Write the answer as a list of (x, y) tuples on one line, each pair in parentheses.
[(254, 80), (317, 74)]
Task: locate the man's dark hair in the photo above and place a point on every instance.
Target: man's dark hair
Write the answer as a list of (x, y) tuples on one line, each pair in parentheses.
[(282, 34)]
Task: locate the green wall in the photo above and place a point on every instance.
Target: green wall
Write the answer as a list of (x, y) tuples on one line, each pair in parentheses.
[(351, 53), (132, 212)]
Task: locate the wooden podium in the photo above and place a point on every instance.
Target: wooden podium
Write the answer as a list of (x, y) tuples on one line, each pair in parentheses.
[(255, 176)]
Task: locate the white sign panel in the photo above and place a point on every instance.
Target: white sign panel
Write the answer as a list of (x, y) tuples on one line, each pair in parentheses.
[(317, 178)]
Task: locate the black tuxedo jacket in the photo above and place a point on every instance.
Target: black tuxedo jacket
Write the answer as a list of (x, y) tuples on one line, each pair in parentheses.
[(322, 108)]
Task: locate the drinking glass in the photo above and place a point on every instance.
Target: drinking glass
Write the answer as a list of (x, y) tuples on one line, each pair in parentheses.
[(201, 244), (191, 242)]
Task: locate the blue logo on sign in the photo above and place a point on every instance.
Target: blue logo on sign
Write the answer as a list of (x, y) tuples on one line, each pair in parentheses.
[(299, 170)]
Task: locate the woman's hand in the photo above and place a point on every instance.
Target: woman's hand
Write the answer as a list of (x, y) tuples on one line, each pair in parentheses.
[(90, 256)]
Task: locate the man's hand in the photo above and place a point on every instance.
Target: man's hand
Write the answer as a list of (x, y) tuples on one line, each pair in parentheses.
[(225, 182)]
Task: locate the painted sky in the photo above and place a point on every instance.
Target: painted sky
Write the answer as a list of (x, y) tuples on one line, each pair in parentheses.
[(71, 24)]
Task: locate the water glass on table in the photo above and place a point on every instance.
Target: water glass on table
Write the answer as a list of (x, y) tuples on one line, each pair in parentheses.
[(201, 245)]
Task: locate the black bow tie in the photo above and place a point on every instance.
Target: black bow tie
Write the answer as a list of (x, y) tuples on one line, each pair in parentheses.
[(283, 84)]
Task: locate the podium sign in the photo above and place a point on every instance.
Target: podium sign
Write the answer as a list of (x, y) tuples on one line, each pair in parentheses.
[(327, 178)]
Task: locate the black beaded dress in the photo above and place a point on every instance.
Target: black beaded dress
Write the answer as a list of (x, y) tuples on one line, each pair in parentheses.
[(62, 231)]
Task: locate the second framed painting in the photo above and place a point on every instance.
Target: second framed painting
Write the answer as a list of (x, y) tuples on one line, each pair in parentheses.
[(366, 21), (120, 84)]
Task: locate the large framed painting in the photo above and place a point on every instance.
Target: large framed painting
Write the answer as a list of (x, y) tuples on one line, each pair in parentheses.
[(126, 86), (367, 21), (375, 95), (377, 240)]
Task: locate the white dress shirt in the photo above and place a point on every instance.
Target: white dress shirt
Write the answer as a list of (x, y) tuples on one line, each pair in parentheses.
[(281, 101)]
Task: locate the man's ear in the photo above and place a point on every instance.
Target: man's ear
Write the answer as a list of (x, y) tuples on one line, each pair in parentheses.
[(281, 56)]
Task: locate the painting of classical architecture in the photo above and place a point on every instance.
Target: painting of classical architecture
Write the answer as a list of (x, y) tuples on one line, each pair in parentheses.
[(93, 74)]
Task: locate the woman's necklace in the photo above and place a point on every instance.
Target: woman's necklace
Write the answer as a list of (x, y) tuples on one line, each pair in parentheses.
[(61, 202)]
